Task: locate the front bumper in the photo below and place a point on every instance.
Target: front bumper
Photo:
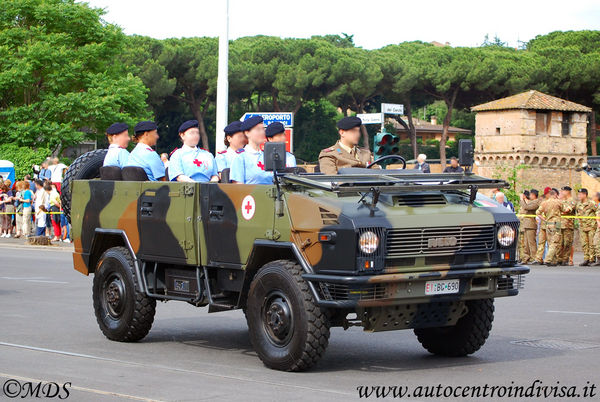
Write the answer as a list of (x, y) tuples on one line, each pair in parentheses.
[(409, 288)]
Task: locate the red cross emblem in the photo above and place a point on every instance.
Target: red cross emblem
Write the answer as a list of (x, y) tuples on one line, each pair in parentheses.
[(260, 165), (248, 207), (197, 162)]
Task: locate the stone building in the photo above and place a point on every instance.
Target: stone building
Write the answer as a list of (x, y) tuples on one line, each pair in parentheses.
[(543, 132)]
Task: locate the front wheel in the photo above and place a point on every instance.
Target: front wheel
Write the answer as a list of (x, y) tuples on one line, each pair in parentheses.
[(287, 329), (123, 313), (466, 337)]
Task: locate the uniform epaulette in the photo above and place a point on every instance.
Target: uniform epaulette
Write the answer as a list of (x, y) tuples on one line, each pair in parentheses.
[(330, 149), (204, 149), (222, 152), (149, 149), (173, 151), (239, 151)]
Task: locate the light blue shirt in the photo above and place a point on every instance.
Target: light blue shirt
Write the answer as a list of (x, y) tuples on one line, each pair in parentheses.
[(225, 158), (116, 156), (196, 163), (290, 160), (143, 156), (249, 168)]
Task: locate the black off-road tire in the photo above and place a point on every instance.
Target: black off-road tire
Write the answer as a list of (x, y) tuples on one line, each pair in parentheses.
[(130, 318), (279, 285), (466, 337), (87, 166)]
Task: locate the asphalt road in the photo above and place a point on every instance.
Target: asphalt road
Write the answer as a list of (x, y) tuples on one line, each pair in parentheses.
[(48, 333)]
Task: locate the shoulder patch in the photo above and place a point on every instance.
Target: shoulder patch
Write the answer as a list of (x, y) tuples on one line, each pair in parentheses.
[(330, 149), (239, 151), (222, 152)]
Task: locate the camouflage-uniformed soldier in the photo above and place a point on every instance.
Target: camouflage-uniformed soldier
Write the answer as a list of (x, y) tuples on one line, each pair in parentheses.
[(539, 257), (567, 226), (587, 226), (528, 226), (345, 152), (549, 212), (596, 199)]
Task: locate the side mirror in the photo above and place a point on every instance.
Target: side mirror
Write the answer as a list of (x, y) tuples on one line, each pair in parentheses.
[(465, 152), (274, 156)]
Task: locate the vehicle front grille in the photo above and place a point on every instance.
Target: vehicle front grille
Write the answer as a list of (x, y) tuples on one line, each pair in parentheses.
[(440, 241), (338, 291), (508, 282)]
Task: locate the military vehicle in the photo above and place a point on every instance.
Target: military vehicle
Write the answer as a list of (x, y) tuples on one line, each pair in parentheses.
[(379, 249)]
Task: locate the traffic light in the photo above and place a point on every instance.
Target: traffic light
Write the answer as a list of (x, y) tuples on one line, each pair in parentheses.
[(385, 144)]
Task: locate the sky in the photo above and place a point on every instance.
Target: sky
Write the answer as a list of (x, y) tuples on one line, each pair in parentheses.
[(373, 23)]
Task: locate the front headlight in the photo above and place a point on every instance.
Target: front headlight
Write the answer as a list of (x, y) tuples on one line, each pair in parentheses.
[(506, 235), (368, 242)]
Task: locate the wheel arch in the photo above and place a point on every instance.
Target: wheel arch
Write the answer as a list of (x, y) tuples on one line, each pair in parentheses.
[(105, 239), (265, 251)]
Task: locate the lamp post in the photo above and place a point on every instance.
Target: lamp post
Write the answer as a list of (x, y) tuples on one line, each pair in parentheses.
[(223, 81)]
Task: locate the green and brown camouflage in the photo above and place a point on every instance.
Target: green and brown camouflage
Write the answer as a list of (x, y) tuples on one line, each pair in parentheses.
[(429, 228)]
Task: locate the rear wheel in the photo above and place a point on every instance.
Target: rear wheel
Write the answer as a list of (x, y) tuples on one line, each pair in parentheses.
[(123, 313), (466, 337), (287, 329), (87, 166)]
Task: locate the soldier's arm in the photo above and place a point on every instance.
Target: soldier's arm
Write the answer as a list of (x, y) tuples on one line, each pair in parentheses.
[(327, 163)]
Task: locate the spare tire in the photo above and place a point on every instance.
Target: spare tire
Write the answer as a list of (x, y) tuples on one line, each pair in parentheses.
[(87, 166)]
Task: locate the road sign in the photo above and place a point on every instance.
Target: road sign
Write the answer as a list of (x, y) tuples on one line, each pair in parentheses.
[(286, 118), (370, 118), (392, 108)]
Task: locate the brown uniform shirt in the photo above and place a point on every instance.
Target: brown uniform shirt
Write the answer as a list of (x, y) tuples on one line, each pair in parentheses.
[(528, 208), (336, 157), (587, 208)]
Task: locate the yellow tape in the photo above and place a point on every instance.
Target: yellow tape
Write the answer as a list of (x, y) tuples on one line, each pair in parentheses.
[(565, 216)]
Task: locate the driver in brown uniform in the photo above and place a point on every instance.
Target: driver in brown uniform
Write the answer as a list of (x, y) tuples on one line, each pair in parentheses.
[(345, 152)]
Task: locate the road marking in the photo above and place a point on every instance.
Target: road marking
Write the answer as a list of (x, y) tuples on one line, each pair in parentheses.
[(16, 278), (572, 312), (41, 281), (84, 389), (180, 370)]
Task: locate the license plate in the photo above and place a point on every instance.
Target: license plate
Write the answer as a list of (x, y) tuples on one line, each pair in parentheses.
[(442, 287)]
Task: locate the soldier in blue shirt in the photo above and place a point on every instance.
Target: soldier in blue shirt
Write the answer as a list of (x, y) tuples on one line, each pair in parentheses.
[(249, 166), (234, 140), (276, 133), (190, 163), (146, 136), (118, 138)]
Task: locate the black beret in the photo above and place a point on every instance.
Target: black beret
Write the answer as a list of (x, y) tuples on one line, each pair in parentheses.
[(251, 122), (275, 128), (186, 125), (117, 128), (144, 126), (349, 122), (234, 127), (566, 188), (583, 190)]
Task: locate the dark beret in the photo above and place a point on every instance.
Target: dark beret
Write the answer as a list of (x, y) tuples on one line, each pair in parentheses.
[(251, 122), (144, 126), (186, 125), (234, 127), (275, 128), (566, 188), (583, 190), (117, 128), (349, 122)]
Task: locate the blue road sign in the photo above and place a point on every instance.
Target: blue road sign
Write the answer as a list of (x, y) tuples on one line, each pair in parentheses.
[(286, 118)]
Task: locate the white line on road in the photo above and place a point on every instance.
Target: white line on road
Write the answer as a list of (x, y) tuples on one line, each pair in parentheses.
[(162, 367), (41, 281), (572, 312), (16, 278), (84, 389)]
